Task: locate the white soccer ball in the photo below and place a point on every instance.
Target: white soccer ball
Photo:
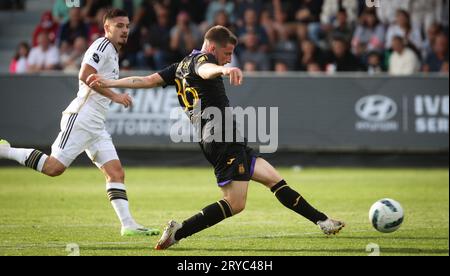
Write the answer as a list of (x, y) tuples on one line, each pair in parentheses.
[(386, 215)]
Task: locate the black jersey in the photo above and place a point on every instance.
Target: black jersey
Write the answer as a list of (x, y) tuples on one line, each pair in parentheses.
[(232, 160), (193, 89)]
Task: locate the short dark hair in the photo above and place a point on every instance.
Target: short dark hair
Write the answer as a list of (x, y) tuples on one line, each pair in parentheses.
[(113, 13), (221, 35)]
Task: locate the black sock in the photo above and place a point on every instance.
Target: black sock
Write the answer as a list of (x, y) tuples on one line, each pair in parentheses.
[(294, 201), (208, 217)]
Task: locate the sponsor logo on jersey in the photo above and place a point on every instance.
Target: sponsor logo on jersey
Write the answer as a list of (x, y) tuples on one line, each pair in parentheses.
[(96, 58)]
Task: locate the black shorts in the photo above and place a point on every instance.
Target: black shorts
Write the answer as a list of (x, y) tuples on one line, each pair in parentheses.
[(231, 161)]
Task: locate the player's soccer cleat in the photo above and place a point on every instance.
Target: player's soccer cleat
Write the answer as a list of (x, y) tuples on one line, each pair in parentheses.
[(138, 231), (4, 148), (331, 226), (168, 237)]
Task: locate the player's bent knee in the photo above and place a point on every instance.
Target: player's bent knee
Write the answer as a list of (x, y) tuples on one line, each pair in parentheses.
[(55, 171), (237, 206), (53, 167), (116, 176)]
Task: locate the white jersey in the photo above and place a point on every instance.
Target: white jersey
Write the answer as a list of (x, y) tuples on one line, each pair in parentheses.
[(103, 56)]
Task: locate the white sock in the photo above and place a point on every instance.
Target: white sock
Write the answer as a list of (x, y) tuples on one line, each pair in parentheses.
[(28, 157), (19, 155), (118, 196)]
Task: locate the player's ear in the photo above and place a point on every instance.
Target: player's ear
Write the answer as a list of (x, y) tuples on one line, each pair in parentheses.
[(106, 26), (212, 47)]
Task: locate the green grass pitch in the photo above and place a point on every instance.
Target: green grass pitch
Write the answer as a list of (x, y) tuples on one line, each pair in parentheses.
[(41, 215)]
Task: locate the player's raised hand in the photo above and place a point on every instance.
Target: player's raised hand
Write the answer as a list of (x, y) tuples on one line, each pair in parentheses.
[(95, 80), (235, 74), (123, 99)]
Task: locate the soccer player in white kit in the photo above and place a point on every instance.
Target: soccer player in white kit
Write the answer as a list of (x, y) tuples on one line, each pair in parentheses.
[(83, 124)]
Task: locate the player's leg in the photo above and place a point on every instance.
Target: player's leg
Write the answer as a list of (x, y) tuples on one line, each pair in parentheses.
[(104, 155), (71, 141), (267, 175), (31, 158), (233, 202), (53, 167)]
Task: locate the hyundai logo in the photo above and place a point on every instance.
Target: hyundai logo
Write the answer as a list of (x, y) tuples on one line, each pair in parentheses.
[(376, 108)]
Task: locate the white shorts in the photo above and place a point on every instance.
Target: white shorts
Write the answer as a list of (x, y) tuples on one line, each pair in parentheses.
[(80, 133)]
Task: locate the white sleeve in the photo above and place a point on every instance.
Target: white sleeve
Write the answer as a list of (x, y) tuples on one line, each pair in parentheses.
[(95, 57)]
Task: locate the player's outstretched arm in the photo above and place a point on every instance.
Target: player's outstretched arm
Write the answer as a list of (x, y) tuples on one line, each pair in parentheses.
[(123, 99), (210, 71), (135, 82)]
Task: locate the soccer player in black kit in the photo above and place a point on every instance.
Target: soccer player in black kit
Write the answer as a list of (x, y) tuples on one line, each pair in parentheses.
[(198, 78)]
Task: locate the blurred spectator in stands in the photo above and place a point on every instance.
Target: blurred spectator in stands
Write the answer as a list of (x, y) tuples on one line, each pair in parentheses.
[(250, 67), (155, 43), (60, 11), (145, 15), (285, 50), (387, 12), (252, 53), (302, 32), (331, 8), (309, 12), (403, 60), (360, 52), (425, 12), (374, 63), (282, 26), (221, 19), (185, 36), (433, 31), (130, 6), (281, 67), (341, 58), (309, 54), (12, 4), (90, 9), (314, 68), (242, 6), (195, 8), (74, 28), (96, 29), (71, 61), (437, 60), (19, 64), (403, 27), (251, 24), (341, 28), (369, 33), (43, 57), (48, 25), (267, 22), (222, 6)]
